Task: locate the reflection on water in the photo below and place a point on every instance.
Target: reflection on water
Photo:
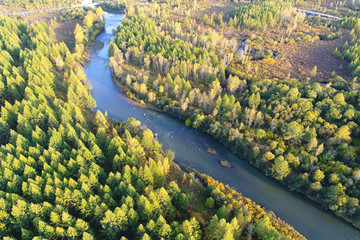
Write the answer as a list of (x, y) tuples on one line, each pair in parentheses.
[(188, 145)]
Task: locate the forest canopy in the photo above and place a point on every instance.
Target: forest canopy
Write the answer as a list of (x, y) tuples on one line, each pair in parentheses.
[(303, 134), (35, 4), (68, 172)]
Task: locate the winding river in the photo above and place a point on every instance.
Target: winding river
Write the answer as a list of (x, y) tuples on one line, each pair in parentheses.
[(188, 144)]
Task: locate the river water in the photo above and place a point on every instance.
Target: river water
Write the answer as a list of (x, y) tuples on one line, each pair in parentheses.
[(188, 144)]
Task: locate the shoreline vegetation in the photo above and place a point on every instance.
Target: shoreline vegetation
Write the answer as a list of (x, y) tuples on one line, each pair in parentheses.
[(225, 163), (133, 100), (222, 162), (209, 181), (286, 128), (210, 150), (68, 172)]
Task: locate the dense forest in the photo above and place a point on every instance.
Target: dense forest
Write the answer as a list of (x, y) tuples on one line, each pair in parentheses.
[(35, 4), (43, 4), (67, 172), (118, 6), (304, 134), (265, 14)]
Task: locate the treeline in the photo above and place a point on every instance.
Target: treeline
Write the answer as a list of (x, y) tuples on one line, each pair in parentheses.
[(114, 6), (306, 136), (261, 15), (353, 4), (187, 55), (93, 23), (73, 13), (351, 50), (66, 172), (36, 4), (219, 193)]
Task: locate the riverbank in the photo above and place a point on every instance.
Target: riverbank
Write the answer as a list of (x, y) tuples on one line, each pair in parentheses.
[(188, 144), (130, 98), (246, 154), (256, 212), (243, 157), (209, 181), (275, 144)]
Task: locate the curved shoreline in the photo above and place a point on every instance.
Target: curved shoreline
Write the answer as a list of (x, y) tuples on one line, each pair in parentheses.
[(243, 176), (132, 101), (308, 198)]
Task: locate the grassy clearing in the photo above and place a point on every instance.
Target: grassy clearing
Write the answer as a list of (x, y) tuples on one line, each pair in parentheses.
[(296, 57)]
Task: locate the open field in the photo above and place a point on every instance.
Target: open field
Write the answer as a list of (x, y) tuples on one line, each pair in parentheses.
[(216, 7), (296, 60), (296, 57), (64, 30), (303, 56)]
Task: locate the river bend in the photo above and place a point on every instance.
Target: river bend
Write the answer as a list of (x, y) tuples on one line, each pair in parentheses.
[(188, 144)]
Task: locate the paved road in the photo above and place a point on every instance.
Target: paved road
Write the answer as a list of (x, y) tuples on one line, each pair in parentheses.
[(318, 14), (54, 9)]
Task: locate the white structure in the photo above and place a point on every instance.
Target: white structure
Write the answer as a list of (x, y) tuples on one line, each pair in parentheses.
[(87, 2), (312, 13)]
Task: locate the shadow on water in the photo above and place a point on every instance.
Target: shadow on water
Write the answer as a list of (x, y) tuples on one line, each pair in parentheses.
[(188, 144)]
